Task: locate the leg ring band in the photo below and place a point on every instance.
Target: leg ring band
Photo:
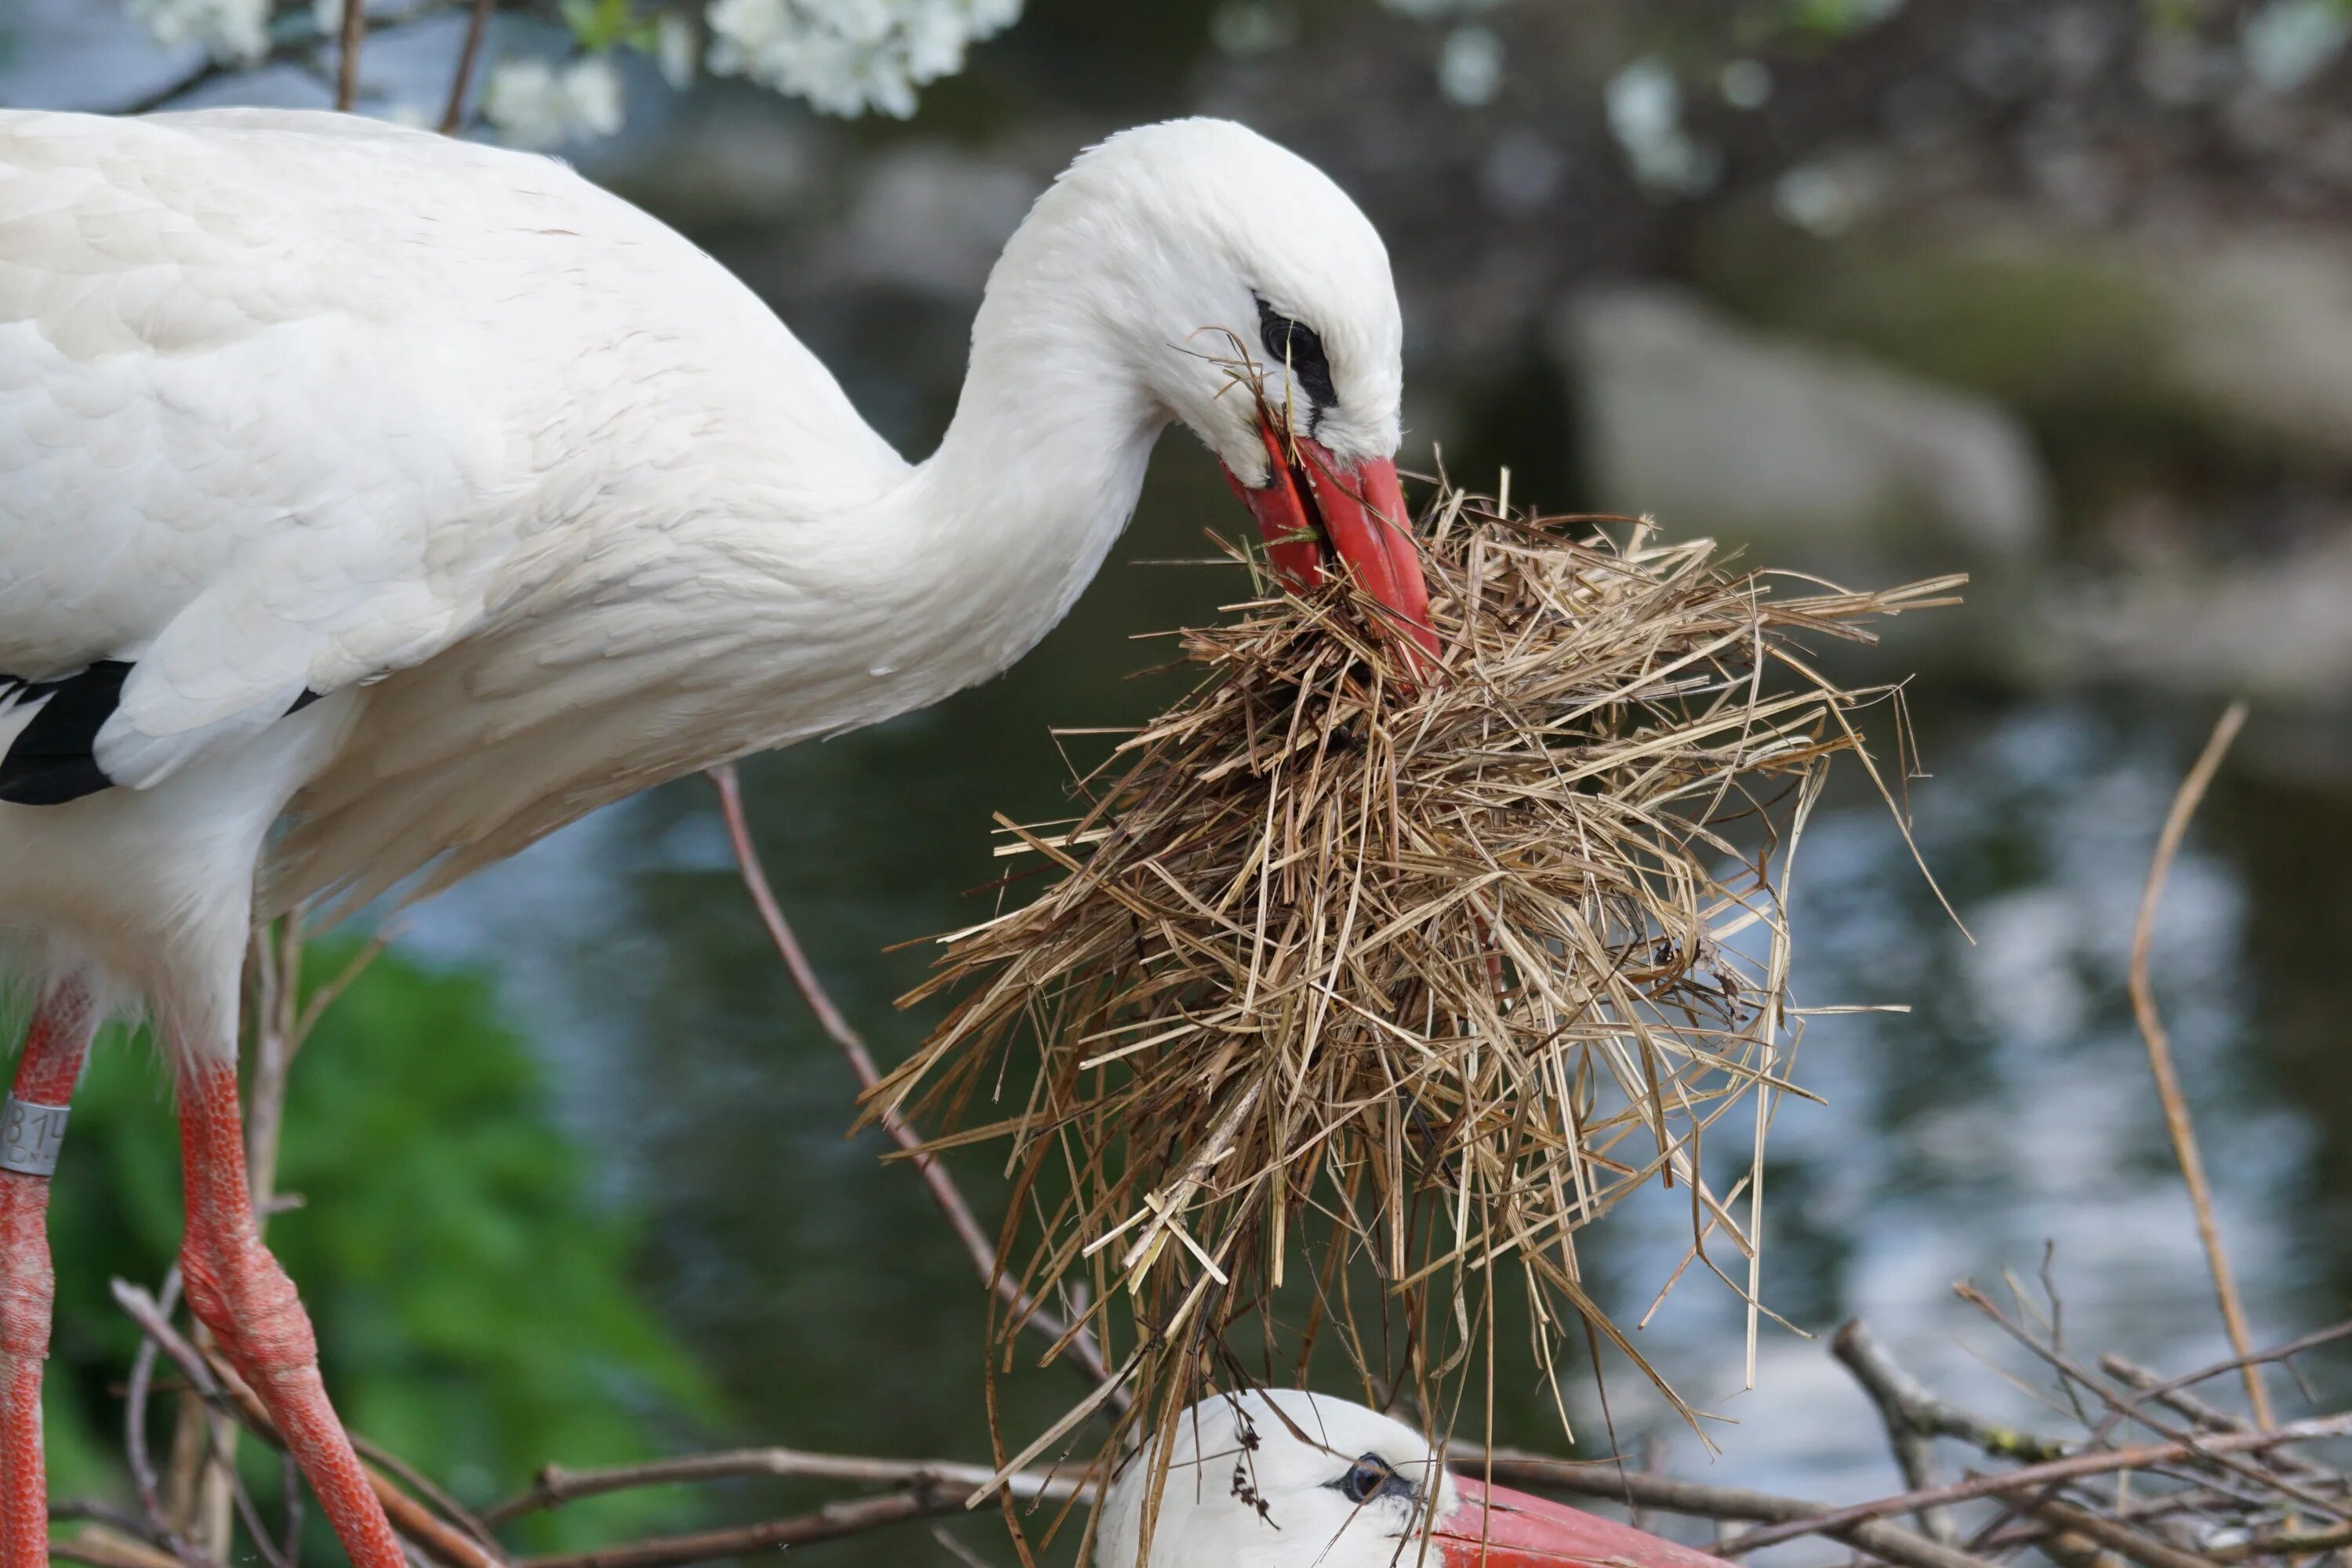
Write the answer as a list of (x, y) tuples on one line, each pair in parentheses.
[(30, 1136)]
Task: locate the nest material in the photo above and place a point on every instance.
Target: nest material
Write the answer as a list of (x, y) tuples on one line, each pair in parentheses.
[(1344, 969)]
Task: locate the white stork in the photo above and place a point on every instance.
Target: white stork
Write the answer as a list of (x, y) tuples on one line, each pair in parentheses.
[(1282, 1478), (434, 493)]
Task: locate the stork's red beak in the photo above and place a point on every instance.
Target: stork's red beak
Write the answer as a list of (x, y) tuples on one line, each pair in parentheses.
[(1498, 1528), (1358, 510)]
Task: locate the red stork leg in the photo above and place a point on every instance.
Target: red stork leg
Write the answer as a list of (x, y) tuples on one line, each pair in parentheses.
[(237, 1290), (31, 1130)]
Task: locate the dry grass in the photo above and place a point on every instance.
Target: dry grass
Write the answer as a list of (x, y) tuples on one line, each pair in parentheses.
[(1364, 994)]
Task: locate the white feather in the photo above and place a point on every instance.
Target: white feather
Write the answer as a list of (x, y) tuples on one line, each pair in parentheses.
[(550, 504)]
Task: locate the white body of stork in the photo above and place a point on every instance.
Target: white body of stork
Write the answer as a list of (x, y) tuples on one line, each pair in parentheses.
[(436, 492), (1284, 1478)]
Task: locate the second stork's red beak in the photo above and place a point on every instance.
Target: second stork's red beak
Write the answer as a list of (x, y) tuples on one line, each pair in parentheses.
[(1498, 1528), (1358, 509)]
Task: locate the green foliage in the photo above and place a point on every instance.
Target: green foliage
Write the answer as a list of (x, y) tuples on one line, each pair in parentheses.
[(472, 1300), (599, 24)]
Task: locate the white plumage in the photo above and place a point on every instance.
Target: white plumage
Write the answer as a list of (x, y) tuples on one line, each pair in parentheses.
[(536, 501), (1285, 1479), (447, 497)]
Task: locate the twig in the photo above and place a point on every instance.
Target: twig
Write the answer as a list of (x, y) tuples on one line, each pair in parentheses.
[(1914, 1418), (453, 117), (2286, 1351), (218, 1385), (2121, 1406), (134, 1421), (1897, 1394), (2116, 1536), (1881, 1540), (554, 1485), (830, 1523), (1085, 1354), (423, 1485), (104, 1550), (2181, 1402), (957, 1549), (2074, 1466), (347, 60), (2159, 1051), (1927, 1412)]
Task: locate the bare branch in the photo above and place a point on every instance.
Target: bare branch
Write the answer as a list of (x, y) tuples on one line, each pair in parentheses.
[(2159, 1051), (221, 1387), (453, 117), (2074, 1466), (830, 1523), (554, 1485), (347, 62), (1084, 1353)]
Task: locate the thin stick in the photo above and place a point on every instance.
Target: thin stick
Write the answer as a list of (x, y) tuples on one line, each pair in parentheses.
[(219, 1386), (2116, 1536), (2074, 1466), (106, 1549), (347, 62), (1083, 1351), (2159, 1053), (453, 117), (1897, 1395), (830, 1523), (555, 1485)]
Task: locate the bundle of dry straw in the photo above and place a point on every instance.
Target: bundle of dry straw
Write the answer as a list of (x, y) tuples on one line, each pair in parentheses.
[(1410, 977)]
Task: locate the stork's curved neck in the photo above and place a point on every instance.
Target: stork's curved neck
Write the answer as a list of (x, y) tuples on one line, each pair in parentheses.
[(1038, 472)]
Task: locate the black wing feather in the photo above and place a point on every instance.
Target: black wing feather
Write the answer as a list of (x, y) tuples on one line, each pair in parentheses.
[(54, 760)]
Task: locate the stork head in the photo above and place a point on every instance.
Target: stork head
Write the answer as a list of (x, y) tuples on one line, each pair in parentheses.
[(1280, 1478), (1252, 301)]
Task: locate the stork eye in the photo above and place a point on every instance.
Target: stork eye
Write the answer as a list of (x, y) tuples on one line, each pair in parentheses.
[(1291, 343), (1372, 1477)]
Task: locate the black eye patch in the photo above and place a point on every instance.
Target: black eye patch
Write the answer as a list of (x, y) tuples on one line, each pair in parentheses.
[(1371, 1478), (1288, 342)]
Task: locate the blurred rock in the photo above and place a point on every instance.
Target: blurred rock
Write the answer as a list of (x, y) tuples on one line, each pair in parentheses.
[(2232, 344), (1714, 429), (2275, 630)]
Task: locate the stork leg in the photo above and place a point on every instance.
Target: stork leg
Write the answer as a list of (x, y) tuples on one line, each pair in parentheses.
[(47, 1073), (237, 1290)]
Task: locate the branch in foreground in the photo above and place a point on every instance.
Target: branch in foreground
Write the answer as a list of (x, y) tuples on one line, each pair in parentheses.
[(1084, 1353), (555, 1485), (2074, 1466), (2177, 1123), (938, 1490), (221, 1389), (830, 1523)]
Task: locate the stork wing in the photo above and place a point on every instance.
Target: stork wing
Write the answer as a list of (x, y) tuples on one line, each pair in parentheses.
[(291, 401)]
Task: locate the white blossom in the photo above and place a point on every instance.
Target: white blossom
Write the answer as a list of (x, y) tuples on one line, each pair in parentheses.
[(1470, 66), (2288, 42), (846, 57), (675, 50), (535, 104), (1645, 114), (234, 31)]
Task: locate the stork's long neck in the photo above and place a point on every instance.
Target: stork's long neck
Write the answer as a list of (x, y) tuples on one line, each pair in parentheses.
[(1037, 474)]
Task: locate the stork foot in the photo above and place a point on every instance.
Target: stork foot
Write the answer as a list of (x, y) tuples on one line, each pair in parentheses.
[(237, 1290), (30, 1129)]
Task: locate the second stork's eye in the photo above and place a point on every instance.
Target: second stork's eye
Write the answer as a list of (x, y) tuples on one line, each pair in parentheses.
[(1372, 1477), (1290, 343)]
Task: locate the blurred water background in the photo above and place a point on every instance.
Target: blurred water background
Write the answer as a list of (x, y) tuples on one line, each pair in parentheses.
[(2055, 293)]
